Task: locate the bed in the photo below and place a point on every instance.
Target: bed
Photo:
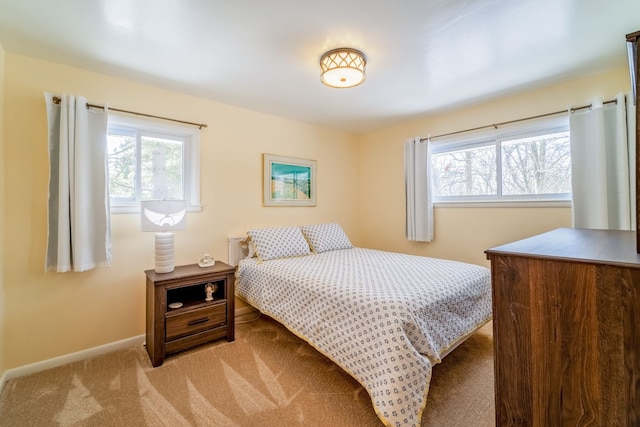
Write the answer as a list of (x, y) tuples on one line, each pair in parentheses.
[(385, 318)]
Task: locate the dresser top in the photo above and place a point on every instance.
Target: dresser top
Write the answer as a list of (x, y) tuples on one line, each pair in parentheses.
[(580, 245)]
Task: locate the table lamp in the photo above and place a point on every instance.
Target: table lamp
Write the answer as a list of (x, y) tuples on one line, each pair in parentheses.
[(163, 217)]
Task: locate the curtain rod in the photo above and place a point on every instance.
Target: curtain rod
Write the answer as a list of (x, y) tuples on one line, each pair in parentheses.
[(56, 100), (495, 125)]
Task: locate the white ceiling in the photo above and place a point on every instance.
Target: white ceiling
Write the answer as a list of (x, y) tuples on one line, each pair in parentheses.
[(423, 56)]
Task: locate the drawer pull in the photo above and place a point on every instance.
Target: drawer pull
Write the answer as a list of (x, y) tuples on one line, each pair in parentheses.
[(197, 321)]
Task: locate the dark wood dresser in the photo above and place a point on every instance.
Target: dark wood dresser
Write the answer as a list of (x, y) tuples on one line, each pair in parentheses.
[(566, 323)]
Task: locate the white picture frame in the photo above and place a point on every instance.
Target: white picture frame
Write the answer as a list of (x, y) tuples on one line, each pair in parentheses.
[(288, 181)]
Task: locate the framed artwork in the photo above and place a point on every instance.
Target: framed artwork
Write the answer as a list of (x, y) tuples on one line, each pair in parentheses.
[(289, 181)]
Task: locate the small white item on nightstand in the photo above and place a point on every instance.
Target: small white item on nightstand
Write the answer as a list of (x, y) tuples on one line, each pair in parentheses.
[(175, 305), (206, 261)]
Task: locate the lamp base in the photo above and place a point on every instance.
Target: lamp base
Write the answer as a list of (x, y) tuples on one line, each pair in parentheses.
[(164, 253)]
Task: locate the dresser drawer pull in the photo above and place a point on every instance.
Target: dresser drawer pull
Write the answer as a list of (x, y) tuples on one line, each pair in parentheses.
[(195, 322)]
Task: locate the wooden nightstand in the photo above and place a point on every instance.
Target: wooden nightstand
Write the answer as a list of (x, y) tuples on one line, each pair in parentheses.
[(197, 320)]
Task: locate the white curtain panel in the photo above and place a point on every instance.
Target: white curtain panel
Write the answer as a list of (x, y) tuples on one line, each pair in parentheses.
[(79, 226), (417, 161), (600, 163)]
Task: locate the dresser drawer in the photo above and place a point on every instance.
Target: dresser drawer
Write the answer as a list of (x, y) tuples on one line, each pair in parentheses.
[(190, 322)]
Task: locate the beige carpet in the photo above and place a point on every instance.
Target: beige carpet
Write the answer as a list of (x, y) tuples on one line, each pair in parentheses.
[(267, 377)]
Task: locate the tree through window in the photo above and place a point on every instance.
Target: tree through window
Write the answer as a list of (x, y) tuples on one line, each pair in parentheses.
[(525, 165)]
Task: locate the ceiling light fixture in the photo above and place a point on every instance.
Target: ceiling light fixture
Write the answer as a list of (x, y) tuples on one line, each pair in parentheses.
[(343, 67)]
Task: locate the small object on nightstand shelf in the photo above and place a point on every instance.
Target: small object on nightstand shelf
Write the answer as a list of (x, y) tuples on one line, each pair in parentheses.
[(175, 305), (209, 290), (206, 261)]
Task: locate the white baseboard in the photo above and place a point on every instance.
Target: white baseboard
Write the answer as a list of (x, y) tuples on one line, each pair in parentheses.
[(243, 311), (71, 357), (85, 354), (3, 379), (247, 315)]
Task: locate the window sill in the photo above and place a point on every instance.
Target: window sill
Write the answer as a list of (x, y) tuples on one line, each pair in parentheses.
[(136, 209), (505, 204)]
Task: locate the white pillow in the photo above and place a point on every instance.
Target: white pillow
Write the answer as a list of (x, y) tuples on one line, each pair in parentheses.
[(279, 242), (326, 237)]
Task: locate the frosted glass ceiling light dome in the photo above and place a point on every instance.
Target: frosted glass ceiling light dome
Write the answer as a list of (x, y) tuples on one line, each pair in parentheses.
[(343, 67)]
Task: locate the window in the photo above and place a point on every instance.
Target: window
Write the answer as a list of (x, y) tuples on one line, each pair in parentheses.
[(521, 163), (151, 160)]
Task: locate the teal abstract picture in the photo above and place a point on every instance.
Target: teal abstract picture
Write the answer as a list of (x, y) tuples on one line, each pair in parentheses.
[(289, 181)]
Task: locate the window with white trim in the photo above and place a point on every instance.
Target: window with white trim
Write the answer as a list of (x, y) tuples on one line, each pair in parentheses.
[(524, 162), (152, 160)]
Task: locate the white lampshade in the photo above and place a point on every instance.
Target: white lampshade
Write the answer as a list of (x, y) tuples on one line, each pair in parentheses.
[(163, 216), (343, 67)]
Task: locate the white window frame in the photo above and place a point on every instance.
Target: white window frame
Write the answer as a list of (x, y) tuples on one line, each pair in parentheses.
[(494, 136), (191, 157)]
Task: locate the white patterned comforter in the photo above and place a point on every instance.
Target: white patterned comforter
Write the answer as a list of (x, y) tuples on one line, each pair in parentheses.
[(385, 318)]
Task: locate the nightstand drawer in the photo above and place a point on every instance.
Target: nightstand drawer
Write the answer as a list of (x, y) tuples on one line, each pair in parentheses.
[(183, 324)]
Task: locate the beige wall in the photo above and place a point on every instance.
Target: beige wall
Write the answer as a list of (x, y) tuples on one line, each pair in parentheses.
[(360, 185), (2, 204), (464, 233), (48, 315)]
